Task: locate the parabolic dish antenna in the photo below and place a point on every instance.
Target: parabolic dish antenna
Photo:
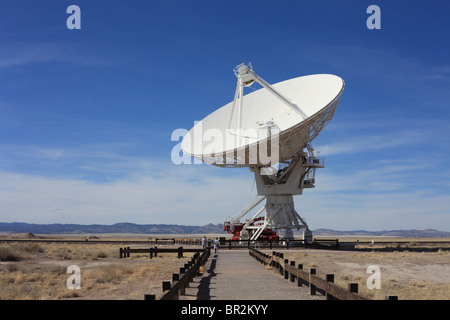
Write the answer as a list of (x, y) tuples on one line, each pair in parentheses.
[(267, 130)]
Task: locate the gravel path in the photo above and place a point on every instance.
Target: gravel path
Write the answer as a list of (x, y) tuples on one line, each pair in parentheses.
[(235, 275)]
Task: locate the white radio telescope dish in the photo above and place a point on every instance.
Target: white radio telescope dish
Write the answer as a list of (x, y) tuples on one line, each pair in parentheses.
[(270, 127)]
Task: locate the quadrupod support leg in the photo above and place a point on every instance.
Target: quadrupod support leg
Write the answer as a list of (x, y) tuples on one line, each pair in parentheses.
[(281, 214)]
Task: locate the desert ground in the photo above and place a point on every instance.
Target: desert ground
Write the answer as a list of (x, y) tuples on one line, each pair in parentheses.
[(407, 275), (38, 270)]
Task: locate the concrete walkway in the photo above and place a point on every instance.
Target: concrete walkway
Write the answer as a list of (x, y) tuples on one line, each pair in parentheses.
[(235, 275)]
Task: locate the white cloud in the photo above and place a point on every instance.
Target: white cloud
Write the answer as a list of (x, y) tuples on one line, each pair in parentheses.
[(350, 211), (374, 142), (180, 195), (18, 54), (387, 195), (197, 195)]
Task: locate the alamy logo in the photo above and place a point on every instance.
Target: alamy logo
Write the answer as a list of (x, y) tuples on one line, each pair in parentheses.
[(74, 20), (253, 146), (74, 281), (374, 21), (374, 280)]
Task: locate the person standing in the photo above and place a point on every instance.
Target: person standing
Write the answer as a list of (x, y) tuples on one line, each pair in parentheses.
[(204, 243), (216, 245)]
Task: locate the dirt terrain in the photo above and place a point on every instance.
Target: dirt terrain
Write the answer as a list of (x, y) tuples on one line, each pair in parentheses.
[(408, 275), (38, 270)]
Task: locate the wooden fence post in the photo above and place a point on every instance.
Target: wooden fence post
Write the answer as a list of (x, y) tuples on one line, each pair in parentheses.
[(180, 252), (165, 285), (176, 277), (352, 288), (299, 279), (286, 272), (330, 278), (274, 264), (292, 274), (312, 288), (281, 255)]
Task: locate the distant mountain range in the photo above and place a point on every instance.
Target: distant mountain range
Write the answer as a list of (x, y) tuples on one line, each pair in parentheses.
[(125, 227), (427, 233)]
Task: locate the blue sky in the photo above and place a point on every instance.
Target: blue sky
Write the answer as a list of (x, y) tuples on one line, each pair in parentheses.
[(86, 116)]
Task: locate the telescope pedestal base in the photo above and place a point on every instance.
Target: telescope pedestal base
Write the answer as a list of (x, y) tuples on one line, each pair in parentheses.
[(281, 214), (307, 236), (288, 234)]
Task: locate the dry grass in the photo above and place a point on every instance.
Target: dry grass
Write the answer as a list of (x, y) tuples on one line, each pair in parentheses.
[(6, 254), (408, 275), (39, 271)]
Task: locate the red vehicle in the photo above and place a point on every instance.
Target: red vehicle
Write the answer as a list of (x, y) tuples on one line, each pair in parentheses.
[(267, 234)]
